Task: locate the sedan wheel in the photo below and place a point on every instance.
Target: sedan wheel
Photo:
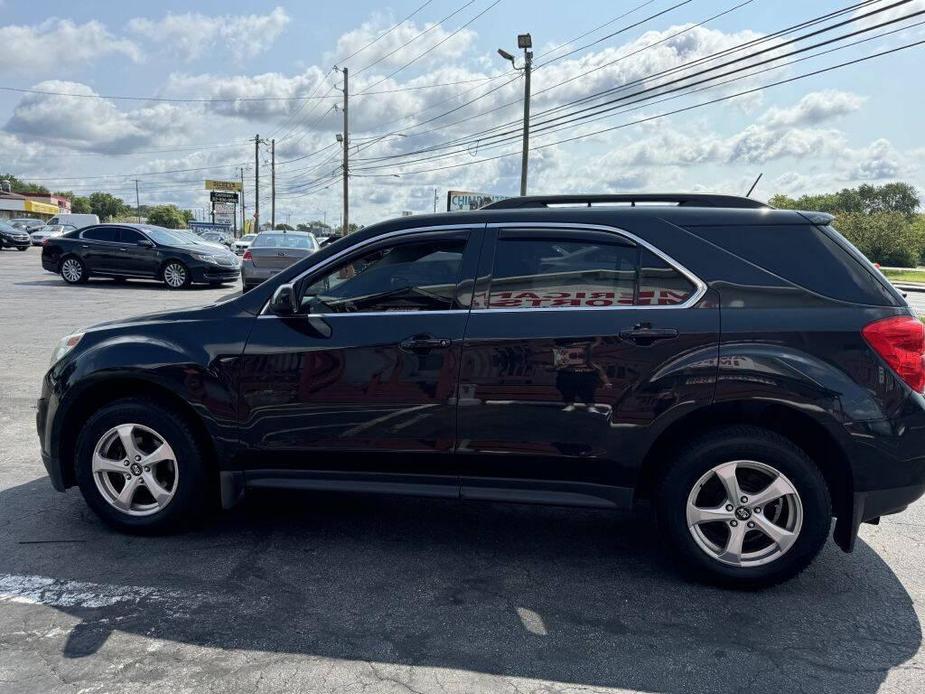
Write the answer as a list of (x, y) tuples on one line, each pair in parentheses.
[(135, 469), (72, 270), (176, 276), (744, 513)]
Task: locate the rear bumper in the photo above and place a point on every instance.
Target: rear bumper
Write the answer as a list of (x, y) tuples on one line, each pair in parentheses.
[(869, 506), (252, 277)]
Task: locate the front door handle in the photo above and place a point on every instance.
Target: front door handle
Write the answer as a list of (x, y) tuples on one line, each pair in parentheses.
[(424, 343), (645, 334)]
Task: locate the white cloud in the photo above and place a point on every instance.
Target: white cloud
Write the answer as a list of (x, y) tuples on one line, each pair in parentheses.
[(58, 44), (95, 124), (194, 34), (401, 45), (813, 109)]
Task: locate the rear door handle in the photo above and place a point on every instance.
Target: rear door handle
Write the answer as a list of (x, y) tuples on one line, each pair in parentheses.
[(644, 334), (424, 343)]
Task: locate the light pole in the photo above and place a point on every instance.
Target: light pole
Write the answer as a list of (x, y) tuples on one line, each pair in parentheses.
[(524, 41)]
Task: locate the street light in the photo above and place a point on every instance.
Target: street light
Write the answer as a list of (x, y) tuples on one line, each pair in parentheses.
[(524, 41)]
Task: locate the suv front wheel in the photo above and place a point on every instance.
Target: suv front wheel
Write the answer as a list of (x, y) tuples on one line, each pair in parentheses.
[(140, 468), (744, 507)]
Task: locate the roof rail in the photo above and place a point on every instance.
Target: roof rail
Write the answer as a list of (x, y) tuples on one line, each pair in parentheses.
[(679, 199)]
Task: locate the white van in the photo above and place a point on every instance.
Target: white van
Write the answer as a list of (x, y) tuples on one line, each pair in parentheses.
[(78, 221)]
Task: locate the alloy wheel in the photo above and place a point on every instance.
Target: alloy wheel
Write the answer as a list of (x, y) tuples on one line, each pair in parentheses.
[(175, 275), (72, 270), (135, 469), (744, 513)]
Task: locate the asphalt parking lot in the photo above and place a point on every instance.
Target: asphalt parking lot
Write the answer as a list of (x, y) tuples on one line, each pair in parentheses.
[(314, 593)]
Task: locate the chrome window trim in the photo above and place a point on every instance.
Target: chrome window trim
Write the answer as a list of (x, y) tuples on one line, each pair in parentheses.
[(368, 242), (700, 285)]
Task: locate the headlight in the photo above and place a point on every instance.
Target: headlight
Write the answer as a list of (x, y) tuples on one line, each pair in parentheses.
[(65, 345), (208, 259)]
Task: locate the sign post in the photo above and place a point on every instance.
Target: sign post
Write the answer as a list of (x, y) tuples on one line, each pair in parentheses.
[(224, 199)]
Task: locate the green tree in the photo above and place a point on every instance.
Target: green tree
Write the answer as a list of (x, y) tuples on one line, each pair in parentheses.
[(79, 204), (107, 206), (898, 197), (167, 216), (20, 186), (888, 238), (284, 227)]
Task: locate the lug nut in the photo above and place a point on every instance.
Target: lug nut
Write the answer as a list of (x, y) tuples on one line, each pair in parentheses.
[(147, 469), (751, 524), (734, 523), (728, 507), (125, 462), (757, 509), (137, 458), (744, 499), (128, 476)]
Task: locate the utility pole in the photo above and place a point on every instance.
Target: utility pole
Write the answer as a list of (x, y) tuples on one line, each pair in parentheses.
[(243, 208), (528, 65), (435, 200), (524, 41), (346, 225), (273, 183), (137, 202), (257, 183)]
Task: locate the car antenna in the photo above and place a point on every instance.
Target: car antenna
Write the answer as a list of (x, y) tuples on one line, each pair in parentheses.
[(750, 190)]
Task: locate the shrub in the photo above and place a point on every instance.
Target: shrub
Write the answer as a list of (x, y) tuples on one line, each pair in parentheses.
[(888, 238)]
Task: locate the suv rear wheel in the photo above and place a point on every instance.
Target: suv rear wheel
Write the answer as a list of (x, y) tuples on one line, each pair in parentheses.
[(744, 507), (139, 467)]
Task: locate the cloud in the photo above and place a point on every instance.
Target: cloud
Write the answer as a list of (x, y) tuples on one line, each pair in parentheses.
[(194, 34), (814, 108), (95, 124), (401, 45), (58, 44), (876, 162)]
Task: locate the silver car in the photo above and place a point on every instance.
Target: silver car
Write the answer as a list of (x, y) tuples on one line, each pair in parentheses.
[(243, 243), (49, 231), (273, 251)]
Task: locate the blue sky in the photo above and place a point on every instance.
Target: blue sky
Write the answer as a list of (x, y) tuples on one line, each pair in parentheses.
[(838, 129)]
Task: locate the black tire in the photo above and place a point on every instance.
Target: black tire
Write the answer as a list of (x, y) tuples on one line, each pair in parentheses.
[(743, 443), (191, 496), (21, 248), (245, 288), (177, 267), (79, 278), (118, 280)]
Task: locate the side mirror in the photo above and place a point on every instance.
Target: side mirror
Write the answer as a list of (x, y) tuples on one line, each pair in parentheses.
[(146, 243), (283, 302)]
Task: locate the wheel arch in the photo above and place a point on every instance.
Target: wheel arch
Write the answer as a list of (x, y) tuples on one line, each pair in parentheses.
[(105, 391), (806, 432)]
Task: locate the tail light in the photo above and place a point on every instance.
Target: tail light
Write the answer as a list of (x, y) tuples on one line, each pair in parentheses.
[(247, 255), (900, 340)]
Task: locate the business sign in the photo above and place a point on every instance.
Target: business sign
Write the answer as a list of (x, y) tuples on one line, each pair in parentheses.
[(222, 196), (201, 227), (223, 185), (461, 201), (223, 208)]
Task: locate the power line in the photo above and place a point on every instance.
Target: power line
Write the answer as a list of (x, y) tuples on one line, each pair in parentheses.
[(385, 33), (674, 112)]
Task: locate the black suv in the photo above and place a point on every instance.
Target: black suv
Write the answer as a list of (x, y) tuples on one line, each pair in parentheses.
[(743, 371), (142, 251)]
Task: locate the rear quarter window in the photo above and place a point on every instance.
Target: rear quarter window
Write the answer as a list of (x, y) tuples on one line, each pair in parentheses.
[(804, 255)]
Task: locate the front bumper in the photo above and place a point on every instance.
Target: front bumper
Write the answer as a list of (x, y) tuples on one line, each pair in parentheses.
[(215, 273), (14, 242)]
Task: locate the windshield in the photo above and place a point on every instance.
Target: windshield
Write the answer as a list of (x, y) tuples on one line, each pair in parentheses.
[(6, 227), (164, 237), (304, 242)]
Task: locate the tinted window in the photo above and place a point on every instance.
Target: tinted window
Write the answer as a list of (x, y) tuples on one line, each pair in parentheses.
[(101, 234), (300, 241), (804, 255), (130, 236), (419, 276), (552, 273)]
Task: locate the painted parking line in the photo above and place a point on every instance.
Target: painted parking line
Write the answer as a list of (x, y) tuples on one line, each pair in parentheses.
[(53, 592)]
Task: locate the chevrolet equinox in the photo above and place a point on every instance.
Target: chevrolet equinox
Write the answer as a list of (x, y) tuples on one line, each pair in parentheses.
[(742, 371)]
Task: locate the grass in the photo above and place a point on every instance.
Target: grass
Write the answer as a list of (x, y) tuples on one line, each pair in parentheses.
[(905, 275)]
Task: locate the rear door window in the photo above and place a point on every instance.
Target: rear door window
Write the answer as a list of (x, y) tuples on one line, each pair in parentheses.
[(108, 234), (573, 269), (130, 235)]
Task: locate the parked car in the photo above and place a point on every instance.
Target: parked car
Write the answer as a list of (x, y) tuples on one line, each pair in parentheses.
[(27, 224), (680, 356), (79, 221), (243, 243), (11, 237), (272, 251), (49, 231), (197, 239), (216, 237), (137, 251)]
